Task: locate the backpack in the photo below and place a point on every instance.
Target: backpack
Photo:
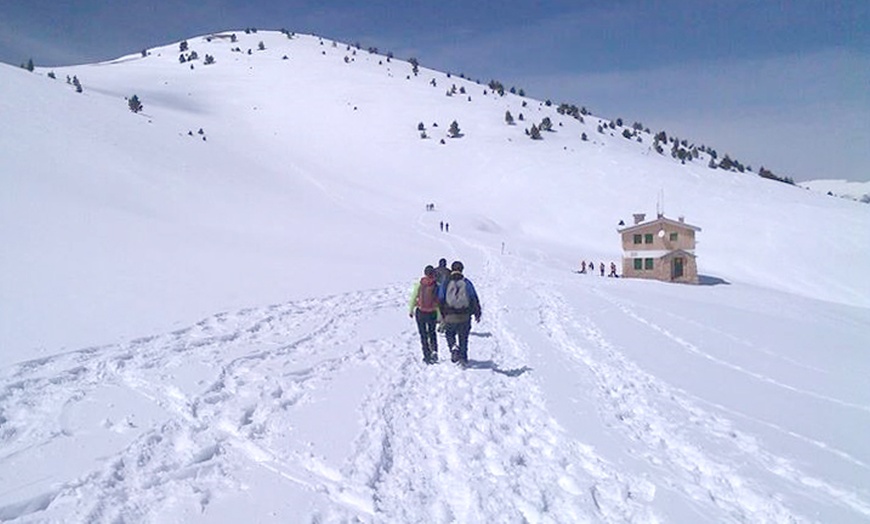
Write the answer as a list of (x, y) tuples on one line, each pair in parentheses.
[(427, 300), (456, 295)]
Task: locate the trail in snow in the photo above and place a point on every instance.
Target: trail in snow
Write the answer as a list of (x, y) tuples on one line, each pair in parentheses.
[(327, 400), (434, 443)]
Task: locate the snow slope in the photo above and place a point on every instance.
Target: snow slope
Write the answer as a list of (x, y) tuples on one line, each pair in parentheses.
[(859, 191), (213, 327)]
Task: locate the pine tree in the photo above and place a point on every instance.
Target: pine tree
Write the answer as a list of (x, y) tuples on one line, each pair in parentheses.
[(134, 104), (509, 118), (454, 130)]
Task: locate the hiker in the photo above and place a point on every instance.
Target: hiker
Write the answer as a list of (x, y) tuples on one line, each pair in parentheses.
[(583, 267), (424, 307), (613, 270), (442, 225), (446, 227), (441, 272), (458, 302), (602, 269)]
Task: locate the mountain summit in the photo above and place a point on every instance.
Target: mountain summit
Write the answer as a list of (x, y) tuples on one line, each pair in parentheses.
[(207, 254)]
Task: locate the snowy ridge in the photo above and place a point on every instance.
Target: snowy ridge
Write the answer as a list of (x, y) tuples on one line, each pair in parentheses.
[(298, 215)]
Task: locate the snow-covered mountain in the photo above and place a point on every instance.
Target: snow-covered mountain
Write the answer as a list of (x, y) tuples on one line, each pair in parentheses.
[(203, 306), (859, 191)]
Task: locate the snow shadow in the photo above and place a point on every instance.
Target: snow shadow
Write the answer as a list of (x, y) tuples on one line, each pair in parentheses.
[(489, 364), (485, 334), (707, 280)]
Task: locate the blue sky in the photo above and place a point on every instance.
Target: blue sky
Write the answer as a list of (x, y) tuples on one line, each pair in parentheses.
[(784, 84)]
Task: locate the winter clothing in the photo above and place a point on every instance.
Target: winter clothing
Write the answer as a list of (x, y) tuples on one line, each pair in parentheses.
[(442, 272), (457, 319), (423, 306)]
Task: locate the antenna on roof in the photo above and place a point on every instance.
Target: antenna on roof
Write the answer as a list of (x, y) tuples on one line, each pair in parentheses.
[(660, 204)]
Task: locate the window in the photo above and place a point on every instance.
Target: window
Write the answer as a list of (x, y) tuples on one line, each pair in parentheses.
[(673, 237), (647, 263), (637, 239), (638, 264), (648, 238)]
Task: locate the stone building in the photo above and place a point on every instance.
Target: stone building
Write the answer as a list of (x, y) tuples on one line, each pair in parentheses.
[(660, 249)]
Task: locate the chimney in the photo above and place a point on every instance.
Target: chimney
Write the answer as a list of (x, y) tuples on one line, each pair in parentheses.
[(682, 219), (639, 217)]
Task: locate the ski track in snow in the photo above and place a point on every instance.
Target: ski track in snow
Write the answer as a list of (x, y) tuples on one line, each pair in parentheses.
[(434, 443)]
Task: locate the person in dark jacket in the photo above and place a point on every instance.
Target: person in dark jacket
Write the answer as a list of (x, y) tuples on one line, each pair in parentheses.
[(423, 306), (442, 271), (458, 302)]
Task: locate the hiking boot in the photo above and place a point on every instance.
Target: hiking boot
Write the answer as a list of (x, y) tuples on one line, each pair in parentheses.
[(433, 358), (454, 355)]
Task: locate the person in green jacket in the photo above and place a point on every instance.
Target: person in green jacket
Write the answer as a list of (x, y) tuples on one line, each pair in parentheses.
[(423, 306)]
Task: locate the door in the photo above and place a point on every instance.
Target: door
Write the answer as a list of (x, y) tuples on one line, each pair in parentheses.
[(677, 268)]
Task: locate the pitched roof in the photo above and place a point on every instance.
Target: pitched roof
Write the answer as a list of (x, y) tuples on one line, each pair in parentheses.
[(661, 221)]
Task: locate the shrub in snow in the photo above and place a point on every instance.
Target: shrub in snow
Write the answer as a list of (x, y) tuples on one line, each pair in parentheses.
[(509, 118), (182, 46), (208, 59)]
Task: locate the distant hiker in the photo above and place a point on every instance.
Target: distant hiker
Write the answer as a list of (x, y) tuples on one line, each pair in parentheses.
[(446, 227), (583, 267), (442, 225), (613, 270), (458, 302), (602, 269), (424, 307)]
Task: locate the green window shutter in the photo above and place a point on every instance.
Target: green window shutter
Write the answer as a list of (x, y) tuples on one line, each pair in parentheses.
[(638, 263), (638, 239), (648, 238), (673, 237), (647, 263)]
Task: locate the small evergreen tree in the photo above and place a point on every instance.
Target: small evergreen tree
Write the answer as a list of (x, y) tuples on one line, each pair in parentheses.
[(261, 46), (29, 65), (77, 84), (546, 124), (51, 75), (509, 118), (583, 137), (454, 130), (182, 46), (534, 133), (134, 104), (208, 59)]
